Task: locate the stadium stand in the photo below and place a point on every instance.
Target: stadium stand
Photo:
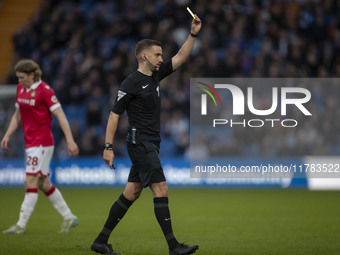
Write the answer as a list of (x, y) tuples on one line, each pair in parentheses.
[(13, 14), (86, 48)]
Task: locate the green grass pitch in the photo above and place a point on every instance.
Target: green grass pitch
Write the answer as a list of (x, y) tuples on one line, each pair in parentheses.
[(221, 221)]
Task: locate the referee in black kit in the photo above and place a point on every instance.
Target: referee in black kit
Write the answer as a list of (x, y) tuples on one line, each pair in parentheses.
[(139, 96)]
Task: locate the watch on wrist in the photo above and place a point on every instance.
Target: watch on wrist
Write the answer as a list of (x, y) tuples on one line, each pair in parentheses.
[(193, 35), (108, 146)]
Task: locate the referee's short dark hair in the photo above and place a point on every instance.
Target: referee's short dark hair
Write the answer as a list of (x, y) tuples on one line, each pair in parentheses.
[(145, 44)]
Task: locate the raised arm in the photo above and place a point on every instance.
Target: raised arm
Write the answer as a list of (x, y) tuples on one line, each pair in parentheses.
[(184, 52), (108, 154), (71, 145), (13, 125)]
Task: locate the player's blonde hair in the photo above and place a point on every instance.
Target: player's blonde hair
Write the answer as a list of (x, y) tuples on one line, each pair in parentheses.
[(29, 66)]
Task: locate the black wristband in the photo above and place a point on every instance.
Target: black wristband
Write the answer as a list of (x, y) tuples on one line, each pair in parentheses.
[(108, 146), (194, 35)]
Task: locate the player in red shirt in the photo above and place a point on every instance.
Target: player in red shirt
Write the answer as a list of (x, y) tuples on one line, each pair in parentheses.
[(35, 103)]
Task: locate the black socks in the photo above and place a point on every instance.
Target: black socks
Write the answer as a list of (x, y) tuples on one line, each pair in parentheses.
[(163, 216), (117, 212), (120, 207)]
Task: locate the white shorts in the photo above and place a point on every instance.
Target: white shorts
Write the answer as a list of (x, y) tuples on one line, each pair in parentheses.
[(38, 160)]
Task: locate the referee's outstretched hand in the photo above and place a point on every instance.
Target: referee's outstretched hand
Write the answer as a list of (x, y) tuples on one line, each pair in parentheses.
[(196, 25), (108, 157)]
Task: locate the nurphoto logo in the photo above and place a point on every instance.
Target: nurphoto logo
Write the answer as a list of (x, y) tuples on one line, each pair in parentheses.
[(282, 98)]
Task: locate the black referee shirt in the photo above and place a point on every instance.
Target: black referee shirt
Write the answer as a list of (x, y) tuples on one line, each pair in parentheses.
[(139, 96)]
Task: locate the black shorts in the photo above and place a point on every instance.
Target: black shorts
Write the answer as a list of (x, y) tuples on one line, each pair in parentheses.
[(146, 166)]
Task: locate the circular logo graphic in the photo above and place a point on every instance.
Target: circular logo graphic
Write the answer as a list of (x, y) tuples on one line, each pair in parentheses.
[(54, 99)]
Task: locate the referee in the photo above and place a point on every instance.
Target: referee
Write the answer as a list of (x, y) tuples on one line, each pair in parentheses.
[(139, 96)]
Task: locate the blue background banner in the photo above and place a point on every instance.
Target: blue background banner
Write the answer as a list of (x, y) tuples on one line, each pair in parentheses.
[(94, 172)]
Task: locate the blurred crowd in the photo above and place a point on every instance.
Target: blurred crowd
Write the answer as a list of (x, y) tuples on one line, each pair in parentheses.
[(86, 49)]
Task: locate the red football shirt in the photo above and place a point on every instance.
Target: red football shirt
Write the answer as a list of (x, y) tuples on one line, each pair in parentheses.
[(36, 105)]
